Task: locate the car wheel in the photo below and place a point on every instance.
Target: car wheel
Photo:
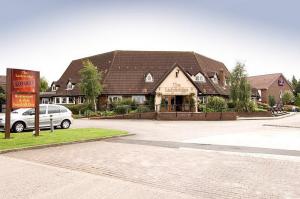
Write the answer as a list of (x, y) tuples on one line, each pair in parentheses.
[(65, 124), (18, 127)]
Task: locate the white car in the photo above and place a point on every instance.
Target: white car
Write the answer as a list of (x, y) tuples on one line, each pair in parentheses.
[(23, 118)]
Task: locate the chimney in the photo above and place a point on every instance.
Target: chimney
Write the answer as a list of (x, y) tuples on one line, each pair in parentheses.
[(222, 78)]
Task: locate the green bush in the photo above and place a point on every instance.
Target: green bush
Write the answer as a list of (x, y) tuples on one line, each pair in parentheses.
[(261, 105), (252, 106), (143, 109), (79, 108), (107, 113), (122, 109), (216, 104), (287, 97), (297, 100), (272, 101), (124, 102), (230, 105)]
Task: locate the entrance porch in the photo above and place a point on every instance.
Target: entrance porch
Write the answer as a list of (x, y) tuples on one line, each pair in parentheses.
[(177, 103)]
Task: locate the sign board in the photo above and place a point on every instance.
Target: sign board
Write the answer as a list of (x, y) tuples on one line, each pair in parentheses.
[(22, 91), (281, 82)]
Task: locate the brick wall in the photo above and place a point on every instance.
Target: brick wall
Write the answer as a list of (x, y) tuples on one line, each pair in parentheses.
[(274, 90)]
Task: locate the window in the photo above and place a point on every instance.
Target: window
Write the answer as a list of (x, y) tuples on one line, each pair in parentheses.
[(53, 87), (57, 100), (64, 100), (215, 79), (80, 100), (45, 101), (71, 100), (63, 110), (70, 86), (114, 98), (42, 110), (140, 99), (199, 78), (149, 78), (29, 112), (53, 109)]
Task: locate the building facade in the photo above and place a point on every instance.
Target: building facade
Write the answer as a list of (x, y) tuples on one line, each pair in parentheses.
[(173, 79), (270, 85)]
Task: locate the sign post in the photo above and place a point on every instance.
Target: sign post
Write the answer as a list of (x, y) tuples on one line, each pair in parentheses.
[(22, 88)]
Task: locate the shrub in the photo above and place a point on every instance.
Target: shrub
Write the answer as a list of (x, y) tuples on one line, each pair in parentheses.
[(143, 109), (261, 105), (230, 104), (216, 104), (79, 108), (287, 97), (272, 101), (150, 102), (122, 109), (252, 106), (107, 113), (297, 100), (124, 102)]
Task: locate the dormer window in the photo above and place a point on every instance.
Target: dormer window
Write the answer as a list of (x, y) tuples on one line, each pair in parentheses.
[(149, 78), (199, 78), (70, 86), (215, 79), (53, 88)]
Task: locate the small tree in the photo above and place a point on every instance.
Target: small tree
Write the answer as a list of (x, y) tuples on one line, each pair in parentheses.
[(287, 97), (43, 84), (240, 91), (90, 82), (272, 101)]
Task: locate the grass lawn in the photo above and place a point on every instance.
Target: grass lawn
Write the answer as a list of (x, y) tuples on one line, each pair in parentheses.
[(26, 139)]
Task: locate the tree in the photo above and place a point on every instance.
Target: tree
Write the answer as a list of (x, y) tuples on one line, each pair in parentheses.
[(43, 84), (294, 82), (295, 85), (297, 100), (272, 101), (2, 96), (287, 97), (240, 91), (90, 82)]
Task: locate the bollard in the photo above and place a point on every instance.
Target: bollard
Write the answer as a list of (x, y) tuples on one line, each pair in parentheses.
[(51, 124)]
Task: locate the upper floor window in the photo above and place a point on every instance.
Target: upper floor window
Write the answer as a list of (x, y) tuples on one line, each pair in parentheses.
[(199, 78), (53, 88), (149, 78), (70, 86), (215, 79)]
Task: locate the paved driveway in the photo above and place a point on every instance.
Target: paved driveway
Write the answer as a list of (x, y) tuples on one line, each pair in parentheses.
[(160, 161)]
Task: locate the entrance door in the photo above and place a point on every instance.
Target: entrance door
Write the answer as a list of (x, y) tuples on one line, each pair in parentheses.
[(178, 102)]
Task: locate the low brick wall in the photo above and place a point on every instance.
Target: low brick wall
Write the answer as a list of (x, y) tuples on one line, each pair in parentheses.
[(149, 116), (188, 116), (197, 116), (255, 114)]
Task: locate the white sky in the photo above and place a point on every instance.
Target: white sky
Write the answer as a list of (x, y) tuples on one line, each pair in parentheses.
[(49, 42)]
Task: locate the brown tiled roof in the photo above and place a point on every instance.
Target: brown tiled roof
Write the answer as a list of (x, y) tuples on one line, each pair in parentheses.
[(3, 81), (263, 81), (124, 71)]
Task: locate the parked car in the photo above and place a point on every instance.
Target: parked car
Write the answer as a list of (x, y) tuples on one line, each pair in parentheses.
[(23, 118)]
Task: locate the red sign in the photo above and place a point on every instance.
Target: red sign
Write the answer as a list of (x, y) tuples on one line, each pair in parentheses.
[(23, 81), (22, 91), (23, 100)]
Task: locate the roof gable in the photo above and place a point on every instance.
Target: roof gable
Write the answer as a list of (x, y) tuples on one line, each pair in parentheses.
[(264, 81)]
